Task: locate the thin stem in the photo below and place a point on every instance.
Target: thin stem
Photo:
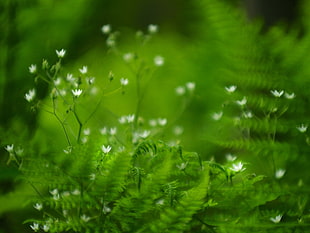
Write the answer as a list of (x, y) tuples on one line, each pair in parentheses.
[(79, 122)]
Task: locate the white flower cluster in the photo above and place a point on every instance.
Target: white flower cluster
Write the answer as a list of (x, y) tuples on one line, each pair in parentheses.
[(181, 90)]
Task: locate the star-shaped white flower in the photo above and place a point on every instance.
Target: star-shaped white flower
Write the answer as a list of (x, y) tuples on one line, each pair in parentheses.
[(162, 121), (231, 157), (9, 148), (32, 68), (83, 70), (180, 90), (277, 93), (38, 206), (217, 116), (85, 218), (61, 53), (152, 28), (106, 149), (29, 96), (128, 57), (113, 131), (302, 128), (190, 86), (231, 89), (159, 60), (77, 92), (130, 118), (106, 29), (242, 102), (276, 219), (237, 167), (279, 173), (124, 81), (289, 96), (46, 227), (35, 226)]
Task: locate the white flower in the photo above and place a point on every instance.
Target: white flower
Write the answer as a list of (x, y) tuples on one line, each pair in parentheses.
[(302, 128), (57, 81), (38, 206), (35, 226), (56, 197), (29, 96), (76, 192), (61, 53), (231, 157), (178, 130), (277, 93), (128, 57), (54, 192), (279, 173), (106, 209), (106, 29), (153, 122), (85, 218), (289, 96), (9, 148), (162, 121), (248, 114), (90, 80), (92, 176), (77, 92), (84, 140), (152, 28), (130, 118), (70, 78), (46, 227), (190, 86), (242, 102), (113, 131), (86, 131), (124, 81), (237, 167), (159, 60), (19, 151), (122, 119), (83, 70), (182, 166), (104, 130), (106, 149), (231, 89), (145, 134), (32, 69), (68, 150), (276, 219), (65, 194), (180, 90), (217, 116)]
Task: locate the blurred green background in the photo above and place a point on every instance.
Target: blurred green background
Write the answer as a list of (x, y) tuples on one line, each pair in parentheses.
[(33, 29)]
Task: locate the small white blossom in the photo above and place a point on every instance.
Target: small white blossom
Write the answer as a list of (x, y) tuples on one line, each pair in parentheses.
[(152, 28), (76, 192), (104, 130), (56, 197), (38, 206), (162, 121), (54, 192), (159, 60), (231, 157), (160, 202), (92, 176), (9, 148), (130, 118), (128, 57), (113, 131), (86, 131), (29, 96), (66, 194), (106, 149), (70, 78), (83, 70), (279, 173), (85, 218), (190, 86), (57, 81), (68, 150), (231, 89), (289, 96), (242, 102), (182, 166), (35, 226), (178, 130), (237, 167), (145, 134), (84, 140), (122, 119), (106, 29), (217, 116), (32, 69), (61, 53), (277, 93), (153, 122), (180, 90), (248, 114), (302, 128), (106, 209), (46, 227), (276, 219), (90, 80), (77, 92), (124, 81), (19, 151)]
